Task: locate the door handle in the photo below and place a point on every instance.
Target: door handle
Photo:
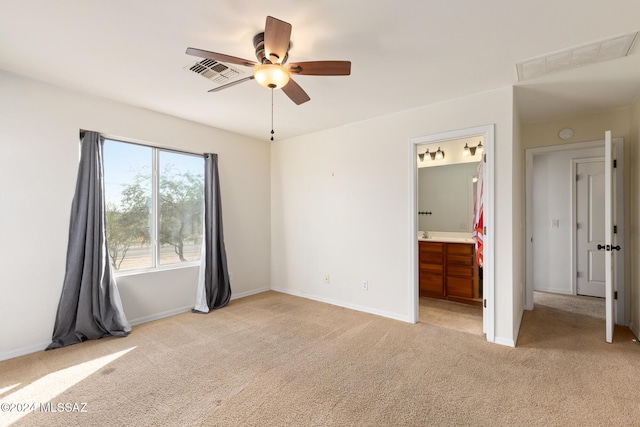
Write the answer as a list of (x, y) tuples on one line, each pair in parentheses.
[(609, 248)]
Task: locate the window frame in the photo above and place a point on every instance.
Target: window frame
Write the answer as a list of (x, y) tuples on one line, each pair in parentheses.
[(154, 232)]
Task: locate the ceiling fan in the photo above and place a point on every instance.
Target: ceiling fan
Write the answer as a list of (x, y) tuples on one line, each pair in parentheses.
[(272, 51)]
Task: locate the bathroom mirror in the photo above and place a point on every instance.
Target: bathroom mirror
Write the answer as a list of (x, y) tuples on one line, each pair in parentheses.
[(448, 193)]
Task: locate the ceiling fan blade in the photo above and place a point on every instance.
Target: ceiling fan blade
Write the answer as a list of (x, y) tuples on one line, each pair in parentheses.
[(219, 57), (277, 35), (295, 92), (217, 89), (321, 68)]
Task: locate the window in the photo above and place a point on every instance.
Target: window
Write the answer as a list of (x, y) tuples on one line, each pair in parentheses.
[(154, 206)]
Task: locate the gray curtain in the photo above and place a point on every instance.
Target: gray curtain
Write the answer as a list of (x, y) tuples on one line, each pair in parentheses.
[(214, 287), (90, 306)]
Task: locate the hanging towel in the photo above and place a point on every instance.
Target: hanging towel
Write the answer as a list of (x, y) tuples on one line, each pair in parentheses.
[(478, 216)]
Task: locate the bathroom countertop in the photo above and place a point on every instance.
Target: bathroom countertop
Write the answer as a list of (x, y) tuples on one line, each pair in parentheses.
[(445, 237), (447, 240)]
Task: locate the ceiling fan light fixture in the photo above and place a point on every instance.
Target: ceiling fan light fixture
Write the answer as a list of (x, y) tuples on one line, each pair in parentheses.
[(273, 76)]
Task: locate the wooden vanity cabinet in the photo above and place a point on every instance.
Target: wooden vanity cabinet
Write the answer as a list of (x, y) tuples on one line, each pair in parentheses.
[(461, 276), (449, 270), (432, 269)]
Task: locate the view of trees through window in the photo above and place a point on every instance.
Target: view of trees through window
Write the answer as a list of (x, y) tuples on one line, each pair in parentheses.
[(154, 205)]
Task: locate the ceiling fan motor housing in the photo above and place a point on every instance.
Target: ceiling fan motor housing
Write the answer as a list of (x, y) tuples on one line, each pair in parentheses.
[(261, 54)]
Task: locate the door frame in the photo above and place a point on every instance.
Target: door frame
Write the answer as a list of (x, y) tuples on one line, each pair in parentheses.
[(618, 144), (487, 132)]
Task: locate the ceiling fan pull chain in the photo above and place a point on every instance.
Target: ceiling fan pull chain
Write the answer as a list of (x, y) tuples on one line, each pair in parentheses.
[(272, 114)]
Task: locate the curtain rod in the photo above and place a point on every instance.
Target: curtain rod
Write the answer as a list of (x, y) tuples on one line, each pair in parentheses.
[(124, 140)]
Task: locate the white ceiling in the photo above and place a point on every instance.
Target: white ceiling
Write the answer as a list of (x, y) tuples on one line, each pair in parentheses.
[(404, 53)]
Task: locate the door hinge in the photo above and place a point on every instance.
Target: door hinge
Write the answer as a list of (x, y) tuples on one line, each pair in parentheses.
[(484, 156), (484, 303), (484, 230), (615, 295), (577, 177), (577, 274), (577, 226), (615, 229), (615, 163)]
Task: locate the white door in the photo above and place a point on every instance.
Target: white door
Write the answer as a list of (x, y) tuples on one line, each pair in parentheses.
[(590, 224), (608, 234)]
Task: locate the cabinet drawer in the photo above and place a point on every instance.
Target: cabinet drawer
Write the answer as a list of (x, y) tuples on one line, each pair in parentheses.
[(431, 250), (431, 253), (460, 260), (459, 249), (431, 247), (431, 285), (458, 271), (436, 269), (431, 258), (459, 287)]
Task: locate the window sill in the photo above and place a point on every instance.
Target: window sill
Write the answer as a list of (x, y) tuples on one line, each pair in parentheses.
[(181, 266)]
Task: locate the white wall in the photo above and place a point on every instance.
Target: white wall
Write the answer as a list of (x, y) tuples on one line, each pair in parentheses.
[(340, 206), (446, 192), (38, 165)]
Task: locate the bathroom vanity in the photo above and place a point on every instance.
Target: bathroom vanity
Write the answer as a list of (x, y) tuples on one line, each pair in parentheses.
[(448, 269)]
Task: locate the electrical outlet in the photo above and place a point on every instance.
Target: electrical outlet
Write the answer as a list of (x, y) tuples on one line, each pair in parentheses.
[(365, 285), (327, 279)]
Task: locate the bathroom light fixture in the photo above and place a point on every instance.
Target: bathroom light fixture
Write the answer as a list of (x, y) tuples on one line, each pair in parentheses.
[(435, 155), (430, 156), (471, 151)]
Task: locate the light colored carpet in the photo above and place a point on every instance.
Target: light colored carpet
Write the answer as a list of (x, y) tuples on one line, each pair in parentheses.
[(277, 360), (588, 306)]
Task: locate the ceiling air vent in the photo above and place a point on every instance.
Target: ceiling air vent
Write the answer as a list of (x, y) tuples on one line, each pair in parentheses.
[(213, 70), (603, 50)]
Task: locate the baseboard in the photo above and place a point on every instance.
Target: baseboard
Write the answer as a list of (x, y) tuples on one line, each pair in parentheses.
[(24, 351), (158, 316), (249, 293), (509, 342), (355, 307)]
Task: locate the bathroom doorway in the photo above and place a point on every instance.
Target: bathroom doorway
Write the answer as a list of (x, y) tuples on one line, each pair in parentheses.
[(447, 240)]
